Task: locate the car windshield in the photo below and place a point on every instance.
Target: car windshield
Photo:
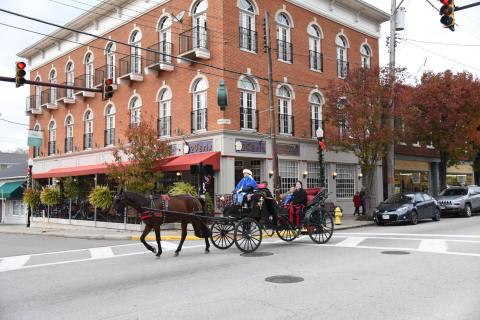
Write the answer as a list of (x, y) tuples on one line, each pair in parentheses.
[(454, 192), (400, 198)]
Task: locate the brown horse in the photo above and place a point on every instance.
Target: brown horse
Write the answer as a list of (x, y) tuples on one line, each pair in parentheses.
[(167, 210)]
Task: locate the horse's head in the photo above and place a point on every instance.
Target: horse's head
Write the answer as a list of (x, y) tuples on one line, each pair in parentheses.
[(119, 202)]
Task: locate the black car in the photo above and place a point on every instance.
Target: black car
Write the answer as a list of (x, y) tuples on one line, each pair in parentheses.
[(407, 207)]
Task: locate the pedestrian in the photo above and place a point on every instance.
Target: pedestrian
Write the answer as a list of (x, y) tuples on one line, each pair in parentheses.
[(357, 202), (363, 200)]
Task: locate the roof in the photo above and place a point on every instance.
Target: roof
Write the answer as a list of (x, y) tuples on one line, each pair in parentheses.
[(11, 158), (15, 171)]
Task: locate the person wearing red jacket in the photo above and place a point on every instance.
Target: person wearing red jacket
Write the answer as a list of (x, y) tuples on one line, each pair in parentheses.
[(357, 202)]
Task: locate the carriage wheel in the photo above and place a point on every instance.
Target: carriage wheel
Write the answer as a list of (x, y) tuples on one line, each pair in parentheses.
[(285, 230), (247, 235), (320, 226), (222, 234)]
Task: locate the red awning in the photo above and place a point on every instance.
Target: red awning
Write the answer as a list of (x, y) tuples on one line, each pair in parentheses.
[(73, 171), (183, 163)]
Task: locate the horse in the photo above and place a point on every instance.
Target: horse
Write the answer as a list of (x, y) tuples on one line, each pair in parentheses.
[(177, 205)]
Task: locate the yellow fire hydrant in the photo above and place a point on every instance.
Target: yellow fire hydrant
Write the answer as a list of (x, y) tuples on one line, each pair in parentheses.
[(338, 215)]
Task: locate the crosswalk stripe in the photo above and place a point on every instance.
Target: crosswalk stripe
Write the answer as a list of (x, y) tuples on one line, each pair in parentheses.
[(433, 245), (350, 242), (102, 252), (13, 263)]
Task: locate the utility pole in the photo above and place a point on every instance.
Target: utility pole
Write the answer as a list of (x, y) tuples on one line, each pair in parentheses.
[(273, 133)]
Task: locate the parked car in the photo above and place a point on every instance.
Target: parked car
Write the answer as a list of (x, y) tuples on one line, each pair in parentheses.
[(407, 207), (460, 200)]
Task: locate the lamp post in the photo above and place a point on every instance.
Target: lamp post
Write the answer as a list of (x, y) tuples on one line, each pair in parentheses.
[(321, 147), (29, 185)]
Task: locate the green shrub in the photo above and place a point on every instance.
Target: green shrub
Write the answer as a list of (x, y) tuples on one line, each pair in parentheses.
[(71, 188), (32, 198), (101, 197), (209, 202), (50, 196), (179, 188)]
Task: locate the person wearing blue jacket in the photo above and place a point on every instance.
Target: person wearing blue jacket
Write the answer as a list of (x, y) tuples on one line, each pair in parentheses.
[(246, 185)]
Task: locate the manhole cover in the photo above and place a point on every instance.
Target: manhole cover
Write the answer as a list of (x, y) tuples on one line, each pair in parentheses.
[(257, 254), (395, 252), (284, 279)]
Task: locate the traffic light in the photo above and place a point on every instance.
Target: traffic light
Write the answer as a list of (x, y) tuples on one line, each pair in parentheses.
[(107, 89), (20, 73), (448, 14)]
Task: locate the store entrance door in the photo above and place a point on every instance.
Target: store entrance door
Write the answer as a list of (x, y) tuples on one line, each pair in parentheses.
[(255, 165)]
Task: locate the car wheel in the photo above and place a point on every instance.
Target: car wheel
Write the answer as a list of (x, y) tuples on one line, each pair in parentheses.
[(436, 215), (414, 218), (468, 210)]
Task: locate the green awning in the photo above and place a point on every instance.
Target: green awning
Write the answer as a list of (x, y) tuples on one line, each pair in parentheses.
[(11, 190)]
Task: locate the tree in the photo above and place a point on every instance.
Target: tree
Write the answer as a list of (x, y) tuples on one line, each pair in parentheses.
[(445, 114), (358, 112), (136, 163)]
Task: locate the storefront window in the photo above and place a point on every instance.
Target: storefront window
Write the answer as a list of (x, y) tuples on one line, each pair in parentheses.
[(345, 181), (459, 179), (288, 170), (411, 181)]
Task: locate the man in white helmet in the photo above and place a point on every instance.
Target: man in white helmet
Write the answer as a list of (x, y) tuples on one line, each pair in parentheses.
[(246, 185)]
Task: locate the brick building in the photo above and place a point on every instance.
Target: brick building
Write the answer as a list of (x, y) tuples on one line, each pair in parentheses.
[(314, 42)]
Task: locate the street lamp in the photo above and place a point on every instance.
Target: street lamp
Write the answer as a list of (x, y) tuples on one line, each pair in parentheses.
[(29, 185), (321, 147)]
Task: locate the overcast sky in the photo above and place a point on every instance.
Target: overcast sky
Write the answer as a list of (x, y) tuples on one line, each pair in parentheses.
[(425, 45)]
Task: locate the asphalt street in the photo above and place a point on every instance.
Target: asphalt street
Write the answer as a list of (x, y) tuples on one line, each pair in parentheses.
[(427, 271)]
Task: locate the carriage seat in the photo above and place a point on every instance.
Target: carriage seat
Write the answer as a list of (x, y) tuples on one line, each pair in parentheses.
[(311, 193)]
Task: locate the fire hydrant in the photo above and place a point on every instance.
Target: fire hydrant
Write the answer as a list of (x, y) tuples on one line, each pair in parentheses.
[(338, 215)]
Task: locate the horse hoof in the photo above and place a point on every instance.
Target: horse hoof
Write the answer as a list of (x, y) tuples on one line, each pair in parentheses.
[(207, 250), (158, 255), (154, 250), (176, 254)]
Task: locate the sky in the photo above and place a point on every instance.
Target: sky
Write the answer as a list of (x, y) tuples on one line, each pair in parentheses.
[(424, 45)]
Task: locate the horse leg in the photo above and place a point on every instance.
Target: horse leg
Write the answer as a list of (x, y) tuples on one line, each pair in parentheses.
[(207, 245), (146, 231), (184, 236), (159, 239)]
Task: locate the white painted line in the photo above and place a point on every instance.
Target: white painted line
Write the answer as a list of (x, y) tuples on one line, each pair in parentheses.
[(102, 252), (433, 245), (13, 263), (165, 245), (350, 242), (339, 233)]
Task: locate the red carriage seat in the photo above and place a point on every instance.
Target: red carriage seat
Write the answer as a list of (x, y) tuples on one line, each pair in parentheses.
[(311, 193), (262, 186)]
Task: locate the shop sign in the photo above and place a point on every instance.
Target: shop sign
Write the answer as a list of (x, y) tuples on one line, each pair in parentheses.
[(200, 146), (250, 146), (288, 149)]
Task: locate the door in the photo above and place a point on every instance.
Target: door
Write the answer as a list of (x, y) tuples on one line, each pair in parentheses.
[(283, 36), (199, 31), (421, 205)]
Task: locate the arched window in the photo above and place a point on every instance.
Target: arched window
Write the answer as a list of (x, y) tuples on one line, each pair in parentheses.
[(136, 53), (199, 115), (165, 39), (164, 113), (70, 78), (342, 58), (135, 106), (314, 38), (110, 60), (69, 134), (316, 106), (110, 125), (52, 138), (199, 24), (38, 95), (36, 150), (366, 54), (88, 136), (248, 104), (248, 36), (284, 45), (89, 70), (285, 110), (53, 91)]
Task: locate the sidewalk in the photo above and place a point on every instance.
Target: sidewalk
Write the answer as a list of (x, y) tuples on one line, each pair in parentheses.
[(92, 233)]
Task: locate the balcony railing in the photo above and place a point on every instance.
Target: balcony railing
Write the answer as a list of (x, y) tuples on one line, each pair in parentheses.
[(284, 51), (316, 60), (285, 125), (87, 141), (131, 65), (199, 120), (315, 125), (248, 39), (49, 98), (164, 126), (33, 104), (162, 55), (105, 72), (84, 81), (109, 137), (342, 68), (195, 38), (65, 94), (68, 144), (249, 118), (52, 147)]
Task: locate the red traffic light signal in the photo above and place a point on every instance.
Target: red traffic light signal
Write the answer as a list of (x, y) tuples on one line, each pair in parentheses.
[(107, 89), (448, 14), (20, 73)]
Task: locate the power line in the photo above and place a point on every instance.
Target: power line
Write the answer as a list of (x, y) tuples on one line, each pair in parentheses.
[(442, 43), (13, 122)]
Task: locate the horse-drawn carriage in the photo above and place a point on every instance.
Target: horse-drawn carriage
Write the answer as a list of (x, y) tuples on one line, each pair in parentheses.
[(245, 226)]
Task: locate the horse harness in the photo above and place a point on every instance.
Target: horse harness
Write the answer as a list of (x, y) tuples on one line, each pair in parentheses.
[(162, 202)]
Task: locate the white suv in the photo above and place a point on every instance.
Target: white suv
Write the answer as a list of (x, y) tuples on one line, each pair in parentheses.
[(460, 200)]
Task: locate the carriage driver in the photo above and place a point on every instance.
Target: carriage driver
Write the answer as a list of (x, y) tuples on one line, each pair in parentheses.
[(245, 186)]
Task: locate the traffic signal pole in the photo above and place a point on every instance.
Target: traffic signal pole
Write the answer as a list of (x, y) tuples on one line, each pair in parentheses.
[(467, 6), (48, 84)]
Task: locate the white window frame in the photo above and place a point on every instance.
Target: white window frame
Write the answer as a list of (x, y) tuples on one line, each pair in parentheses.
[(316, 107), (38, 95), (70, 75), (315, 46), (89, 72), (248, 100), (53, 90), (110, 121), (285, 109), (164, 110), (110, 61), (366, 56), (288, 171), (284, 34), (165, 39), (200, 102), (247, 22), (136, 52), (345, 181), (135, 111), (342, 55)]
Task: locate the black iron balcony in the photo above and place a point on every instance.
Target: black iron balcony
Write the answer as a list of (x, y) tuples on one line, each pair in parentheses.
[(52, 147), (131, 68), (85, 81), (284, 51), (49, 98), (316, 61), (109, 137), (33, 104), (164, 126), (105, 72), (342, 68), (194, 43), (64, 95), (249, 118), (68, 144), (199, 120), (160, 58), (285, 125), (87, 141), (248, 39)]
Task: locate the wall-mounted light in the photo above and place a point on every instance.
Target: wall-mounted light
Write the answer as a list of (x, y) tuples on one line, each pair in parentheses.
[(334, 175), (305, 173), (179, 174), (360, 176), (270, 174)]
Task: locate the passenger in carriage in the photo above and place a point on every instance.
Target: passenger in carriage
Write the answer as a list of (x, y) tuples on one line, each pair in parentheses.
[(245, 187), (299, 195)]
